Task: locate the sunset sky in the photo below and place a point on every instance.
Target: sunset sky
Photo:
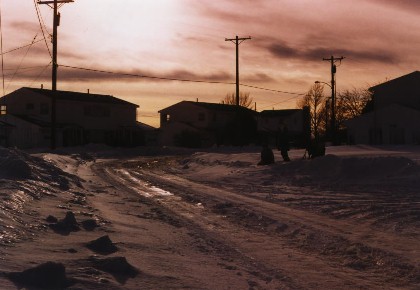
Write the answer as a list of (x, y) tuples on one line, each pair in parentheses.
[(185, 39)]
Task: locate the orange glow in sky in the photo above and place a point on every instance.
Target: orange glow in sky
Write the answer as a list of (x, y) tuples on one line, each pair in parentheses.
[(185, 39)]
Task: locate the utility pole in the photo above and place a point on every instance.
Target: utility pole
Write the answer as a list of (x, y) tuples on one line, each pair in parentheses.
[(56, 23), (333, 60), (237, 41)]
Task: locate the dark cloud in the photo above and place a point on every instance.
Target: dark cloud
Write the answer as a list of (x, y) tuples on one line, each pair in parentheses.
[(282, 51), (179, 74), (192, 39), (360, 55), (258, 78), (29, 52), (75, 74), (189, 75), (24, 26), (71, 74), (217, 12), (28, 75), (220, 76), (35, 48), (411, 5)]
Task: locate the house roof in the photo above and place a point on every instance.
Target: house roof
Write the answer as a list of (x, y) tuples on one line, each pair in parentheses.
[(5, 124), (11, 118), (411, 78), (213, 107), (279, 113), (389, 110), (80, 97), (35, 121), (42, 123), (145, 126), (221, 107)]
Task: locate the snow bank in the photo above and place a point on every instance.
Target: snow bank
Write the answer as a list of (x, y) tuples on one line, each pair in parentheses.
[(354, 169), (18, 165), (375, 168), (103, 151), (24, 179), (229, 160)]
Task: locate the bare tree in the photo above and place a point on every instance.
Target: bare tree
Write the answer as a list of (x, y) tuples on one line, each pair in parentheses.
[(350, 104), (315, 100), (244, 100)]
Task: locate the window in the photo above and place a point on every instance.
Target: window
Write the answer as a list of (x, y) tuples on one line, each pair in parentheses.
[(30, 106), (3, 110), (44, 109)]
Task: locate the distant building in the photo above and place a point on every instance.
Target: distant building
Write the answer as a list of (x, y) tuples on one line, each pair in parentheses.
[(196, 124), (149, 134), (81, 118), (295, 121), (395, 118), (207, 124)]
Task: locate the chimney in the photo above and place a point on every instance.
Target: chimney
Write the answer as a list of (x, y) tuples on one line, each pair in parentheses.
[(88, 91), (42, 86)]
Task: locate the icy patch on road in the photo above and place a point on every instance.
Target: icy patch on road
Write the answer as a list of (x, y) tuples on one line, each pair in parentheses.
[(160, 191), (145, 188)]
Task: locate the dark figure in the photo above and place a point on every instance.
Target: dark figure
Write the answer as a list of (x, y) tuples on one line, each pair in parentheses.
[(267, 156), (283, 143), (316, 148)]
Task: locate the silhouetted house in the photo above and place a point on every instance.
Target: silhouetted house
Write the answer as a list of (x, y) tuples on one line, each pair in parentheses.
[(5, 129), (148, 133), (197, 124), (395, 118), (295, 121), (81, 118)]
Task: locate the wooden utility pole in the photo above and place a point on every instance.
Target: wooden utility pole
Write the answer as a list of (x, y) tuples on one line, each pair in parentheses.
[(237, 41), (56, 23), (333, 60)]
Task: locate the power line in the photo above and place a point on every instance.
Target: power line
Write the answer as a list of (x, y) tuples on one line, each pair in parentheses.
[(175, 79), (25, 68), (56, 23), (44, 67), (272, 90), (284, 101), (1, 48), (42, 71), (237, 41), (41, 18), (42, 25), (23, 46), (333, 61), (20, 64), (146, 76)]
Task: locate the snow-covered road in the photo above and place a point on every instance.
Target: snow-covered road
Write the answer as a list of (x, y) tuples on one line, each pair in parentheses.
[(215, 220)]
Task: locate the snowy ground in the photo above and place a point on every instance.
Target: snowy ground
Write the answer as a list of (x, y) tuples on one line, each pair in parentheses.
[(147, 218)]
